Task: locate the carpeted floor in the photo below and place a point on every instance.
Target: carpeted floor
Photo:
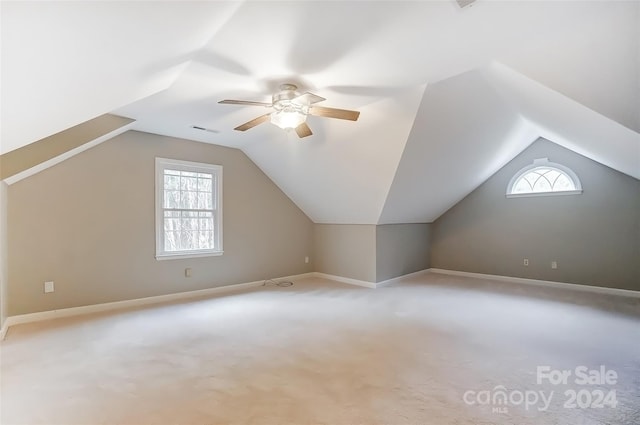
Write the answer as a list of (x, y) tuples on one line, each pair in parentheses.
[(433, 349)]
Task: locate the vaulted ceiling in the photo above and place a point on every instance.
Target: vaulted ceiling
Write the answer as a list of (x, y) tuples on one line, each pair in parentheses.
[(444, 92)]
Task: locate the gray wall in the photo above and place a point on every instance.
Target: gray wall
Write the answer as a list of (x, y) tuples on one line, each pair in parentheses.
[(401, 249), (88, 225), (372, 253), (347, 250), (594, 237)]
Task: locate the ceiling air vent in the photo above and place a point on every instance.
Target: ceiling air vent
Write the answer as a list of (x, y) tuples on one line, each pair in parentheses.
[(197, 127), (465, 3)]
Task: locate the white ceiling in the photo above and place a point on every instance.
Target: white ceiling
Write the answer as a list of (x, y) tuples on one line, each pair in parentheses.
[(439, 88)]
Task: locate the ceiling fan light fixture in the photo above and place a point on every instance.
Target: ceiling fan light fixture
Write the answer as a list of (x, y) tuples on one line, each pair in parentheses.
[(288, 119), (290, 110)]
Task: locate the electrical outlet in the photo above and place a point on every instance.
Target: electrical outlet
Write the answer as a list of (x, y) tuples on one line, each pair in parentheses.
[(554, 264), (48, 287), (187, 272), (525, 262), (306, 260)]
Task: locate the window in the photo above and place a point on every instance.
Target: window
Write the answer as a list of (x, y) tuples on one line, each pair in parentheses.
[(544, 178), (188, 209)]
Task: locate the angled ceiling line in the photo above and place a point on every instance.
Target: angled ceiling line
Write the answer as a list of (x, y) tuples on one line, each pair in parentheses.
[(30, 159), (399, 159), (567, 122)]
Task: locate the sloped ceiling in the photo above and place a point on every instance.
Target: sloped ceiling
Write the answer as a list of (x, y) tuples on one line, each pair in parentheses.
[(64, 63), (466, 132), (443, 92)]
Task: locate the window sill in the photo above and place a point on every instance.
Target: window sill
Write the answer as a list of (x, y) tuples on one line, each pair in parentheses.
[(529, 195), (187, 255)]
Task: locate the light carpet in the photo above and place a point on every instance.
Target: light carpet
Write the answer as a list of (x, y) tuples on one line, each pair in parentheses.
[(418, 352)]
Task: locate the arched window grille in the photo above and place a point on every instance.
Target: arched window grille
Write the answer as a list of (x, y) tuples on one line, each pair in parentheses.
[(544, 178)]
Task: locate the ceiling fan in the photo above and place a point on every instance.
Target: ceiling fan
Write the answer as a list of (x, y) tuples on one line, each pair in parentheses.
[(290, 110)]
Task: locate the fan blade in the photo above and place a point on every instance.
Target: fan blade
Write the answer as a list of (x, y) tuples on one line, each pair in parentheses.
[(250, 124), (342, 114), (308, 99), (245, 102), (303, 130)]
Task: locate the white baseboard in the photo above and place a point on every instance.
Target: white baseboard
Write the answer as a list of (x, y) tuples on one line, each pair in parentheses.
[(117, 305), (545, 283), (3, 331), (400, 278), (348, 280), (366, 283)]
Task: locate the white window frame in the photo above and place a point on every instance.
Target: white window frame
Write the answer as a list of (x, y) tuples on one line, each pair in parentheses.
[(544, 163), (198, 167)]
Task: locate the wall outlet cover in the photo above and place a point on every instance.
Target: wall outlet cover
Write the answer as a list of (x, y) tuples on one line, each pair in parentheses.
[(48, 287)]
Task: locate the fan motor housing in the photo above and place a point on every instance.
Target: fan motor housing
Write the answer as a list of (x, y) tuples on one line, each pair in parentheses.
[(282, 99), (283, 96)]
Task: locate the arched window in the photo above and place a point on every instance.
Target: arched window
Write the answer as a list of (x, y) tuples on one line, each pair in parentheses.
[(544, 178)]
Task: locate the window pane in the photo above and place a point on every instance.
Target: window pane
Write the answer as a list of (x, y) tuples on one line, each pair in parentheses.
[(171, 182), (186, 240), (204, 184), (189, 223), (188, 183), (552, 176), (190, 195), (171, 241), (522, 186), (542, 185), (541, 180), (171, 224), (205, 239), (190, 230), (189, 200), (206, 224), (531, 178), (205, 201), (171, 199), (563, 183)]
